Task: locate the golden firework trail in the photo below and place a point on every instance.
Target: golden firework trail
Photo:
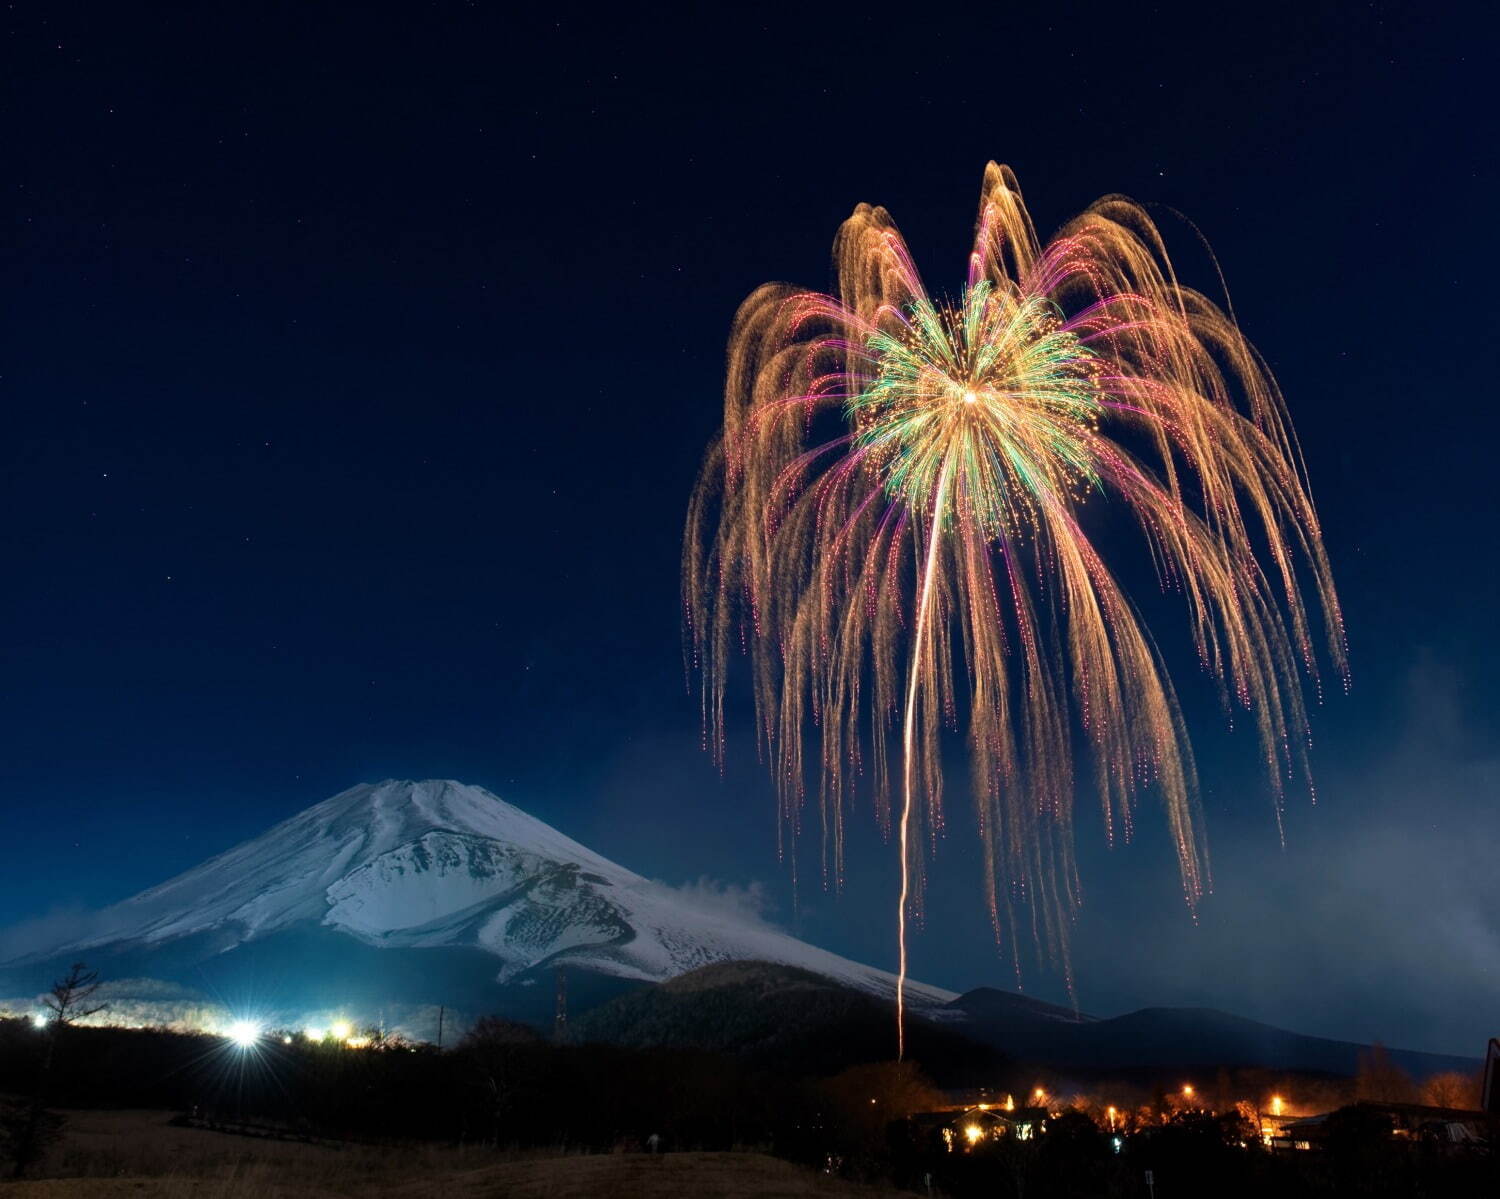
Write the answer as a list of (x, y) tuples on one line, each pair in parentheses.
[(898, 526)]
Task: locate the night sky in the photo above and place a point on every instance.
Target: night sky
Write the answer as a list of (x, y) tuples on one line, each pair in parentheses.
[(357, 362)]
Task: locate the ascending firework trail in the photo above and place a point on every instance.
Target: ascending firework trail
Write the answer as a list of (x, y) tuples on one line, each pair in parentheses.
[(893, 526)]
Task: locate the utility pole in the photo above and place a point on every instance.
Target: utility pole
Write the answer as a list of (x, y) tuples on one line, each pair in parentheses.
[(441, 1009), (560, 1020)]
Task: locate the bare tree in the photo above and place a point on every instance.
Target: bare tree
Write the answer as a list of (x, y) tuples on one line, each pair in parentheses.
[(1451, 1089), (69, 998), (1380, 1080), (27, 1128)]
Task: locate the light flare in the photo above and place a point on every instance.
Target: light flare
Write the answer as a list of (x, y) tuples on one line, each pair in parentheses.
[(244, 1033)]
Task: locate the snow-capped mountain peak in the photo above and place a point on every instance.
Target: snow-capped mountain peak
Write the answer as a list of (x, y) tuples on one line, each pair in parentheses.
[(441, 864)]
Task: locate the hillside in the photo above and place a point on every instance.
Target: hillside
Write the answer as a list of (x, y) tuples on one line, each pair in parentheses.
[(1162, 1038), (782, 1016)]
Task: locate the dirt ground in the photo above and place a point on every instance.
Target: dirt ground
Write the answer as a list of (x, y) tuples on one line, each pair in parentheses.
[(122, 1155)]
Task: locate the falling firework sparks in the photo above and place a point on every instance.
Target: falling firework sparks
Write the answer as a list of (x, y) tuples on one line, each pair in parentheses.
[(892, 525)]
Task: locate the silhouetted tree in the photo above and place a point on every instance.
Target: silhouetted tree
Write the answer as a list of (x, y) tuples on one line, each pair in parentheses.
[(491, 1031), (1380, 1080), (500, 1055), (1073, 1158), (27, 1128), (1451, 1089), (863, 1101), (69, 999)]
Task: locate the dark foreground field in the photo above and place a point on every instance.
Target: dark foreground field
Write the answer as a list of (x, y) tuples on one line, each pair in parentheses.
[(115, 1155)]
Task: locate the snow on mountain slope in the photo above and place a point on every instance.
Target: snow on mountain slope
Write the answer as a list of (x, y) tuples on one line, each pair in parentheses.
[(440, 863)]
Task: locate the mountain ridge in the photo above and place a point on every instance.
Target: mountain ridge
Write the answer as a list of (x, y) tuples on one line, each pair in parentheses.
[(391, 901), (985, 1036), (440, 865)]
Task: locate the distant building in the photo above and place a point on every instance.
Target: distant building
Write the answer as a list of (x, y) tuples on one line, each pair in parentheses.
[(964, 1129), (1410, 1122)]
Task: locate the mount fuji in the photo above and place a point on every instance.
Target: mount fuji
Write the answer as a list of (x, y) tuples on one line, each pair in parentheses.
[(392, 899)]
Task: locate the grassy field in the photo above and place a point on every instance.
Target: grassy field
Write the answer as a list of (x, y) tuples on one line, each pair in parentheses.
[(115, 1155)]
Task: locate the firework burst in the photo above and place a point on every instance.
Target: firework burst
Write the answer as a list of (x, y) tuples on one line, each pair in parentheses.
[(893, 527)]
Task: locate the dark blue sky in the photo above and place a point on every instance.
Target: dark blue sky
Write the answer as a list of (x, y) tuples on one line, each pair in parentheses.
[(357, 363)]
